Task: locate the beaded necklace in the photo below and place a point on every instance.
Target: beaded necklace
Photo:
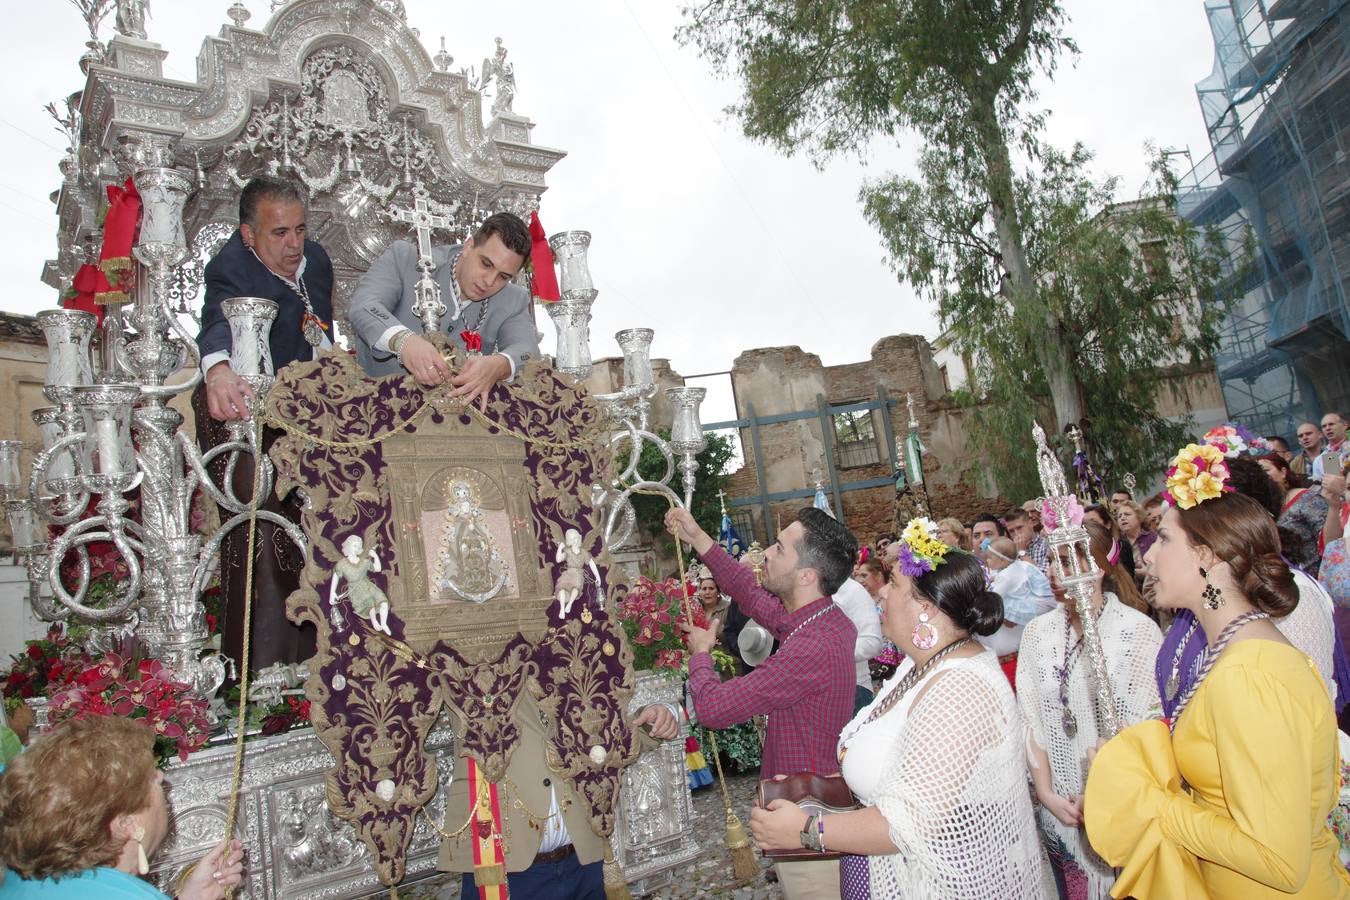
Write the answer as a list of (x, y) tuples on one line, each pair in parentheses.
[(809, 619)]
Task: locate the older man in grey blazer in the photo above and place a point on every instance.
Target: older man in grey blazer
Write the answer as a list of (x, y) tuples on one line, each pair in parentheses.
[(475, 281)]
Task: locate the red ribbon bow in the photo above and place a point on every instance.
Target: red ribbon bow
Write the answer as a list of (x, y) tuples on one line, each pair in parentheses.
[(473, 341)]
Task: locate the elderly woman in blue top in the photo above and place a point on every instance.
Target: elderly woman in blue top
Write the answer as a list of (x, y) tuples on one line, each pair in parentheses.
[(83, 810)]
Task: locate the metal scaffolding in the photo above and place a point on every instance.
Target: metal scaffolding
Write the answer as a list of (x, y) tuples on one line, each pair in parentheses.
[(1277, 109)]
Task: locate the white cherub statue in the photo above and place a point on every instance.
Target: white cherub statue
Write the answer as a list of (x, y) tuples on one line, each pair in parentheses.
[(364, 596), (572, 579)]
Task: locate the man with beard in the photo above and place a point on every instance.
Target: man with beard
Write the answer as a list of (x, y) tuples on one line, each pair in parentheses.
[(806, 687)]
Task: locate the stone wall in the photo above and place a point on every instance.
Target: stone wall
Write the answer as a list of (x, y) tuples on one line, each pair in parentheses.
[(780, 380)]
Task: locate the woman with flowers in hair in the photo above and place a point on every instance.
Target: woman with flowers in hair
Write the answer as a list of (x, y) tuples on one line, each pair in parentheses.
[(1228, 797), (937, 758), (1057, 696)]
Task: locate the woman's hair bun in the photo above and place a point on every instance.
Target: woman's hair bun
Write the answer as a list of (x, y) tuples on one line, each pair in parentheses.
[(985, 615), (958, 588), (1270, 585)]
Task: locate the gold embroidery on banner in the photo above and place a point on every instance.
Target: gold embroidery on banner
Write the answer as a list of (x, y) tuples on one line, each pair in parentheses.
[(332, 416)]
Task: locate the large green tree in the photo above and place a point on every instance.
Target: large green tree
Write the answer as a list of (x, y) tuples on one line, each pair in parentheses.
[(828, 76), (1119, 282)]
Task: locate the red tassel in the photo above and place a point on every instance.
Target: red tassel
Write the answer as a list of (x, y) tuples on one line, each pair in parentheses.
[(544, 281), (119, 235)]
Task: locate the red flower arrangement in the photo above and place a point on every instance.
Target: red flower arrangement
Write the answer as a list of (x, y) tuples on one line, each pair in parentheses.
[(292, 712), (651, 614), (44, 662), (131, 686)]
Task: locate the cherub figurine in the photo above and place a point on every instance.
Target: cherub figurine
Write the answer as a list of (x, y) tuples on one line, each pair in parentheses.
[(364, 596), (572, 579)]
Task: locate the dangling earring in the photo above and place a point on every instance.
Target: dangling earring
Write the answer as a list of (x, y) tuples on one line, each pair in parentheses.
[(142, 861), (924, 635), (1212, 595)]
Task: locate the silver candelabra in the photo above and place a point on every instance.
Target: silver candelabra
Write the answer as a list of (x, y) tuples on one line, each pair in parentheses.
[(111, 431), (630, 407)]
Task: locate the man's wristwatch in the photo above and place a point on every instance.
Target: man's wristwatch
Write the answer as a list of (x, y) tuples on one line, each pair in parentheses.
[(810, 834)]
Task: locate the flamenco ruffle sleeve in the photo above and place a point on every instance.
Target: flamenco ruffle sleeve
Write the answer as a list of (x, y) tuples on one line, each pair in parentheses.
[(1132, 782)]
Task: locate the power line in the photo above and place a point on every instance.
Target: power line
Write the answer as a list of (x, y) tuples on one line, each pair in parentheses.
[(29, 134)]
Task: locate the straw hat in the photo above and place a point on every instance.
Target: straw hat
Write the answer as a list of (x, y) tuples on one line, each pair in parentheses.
[(755, 643)]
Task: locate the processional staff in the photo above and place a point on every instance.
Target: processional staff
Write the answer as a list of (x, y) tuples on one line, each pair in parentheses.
[(1077, 571), (1090, 486)]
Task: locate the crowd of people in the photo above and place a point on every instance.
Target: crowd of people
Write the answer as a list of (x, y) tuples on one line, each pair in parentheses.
[(984, 765)]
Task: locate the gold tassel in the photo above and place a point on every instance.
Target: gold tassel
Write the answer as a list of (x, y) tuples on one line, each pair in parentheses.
[(489, 874), (743, 863), (616, 888)]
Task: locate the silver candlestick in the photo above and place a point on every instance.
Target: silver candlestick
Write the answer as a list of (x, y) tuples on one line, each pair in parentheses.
[(569, 252), (114, 432), (572, 319), (629, 408), (686, 432)]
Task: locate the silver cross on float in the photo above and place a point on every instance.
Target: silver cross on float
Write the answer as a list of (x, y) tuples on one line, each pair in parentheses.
[(425, 215)]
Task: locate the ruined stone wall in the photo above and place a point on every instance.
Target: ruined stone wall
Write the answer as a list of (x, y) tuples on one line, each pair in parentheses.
[(787, 379)]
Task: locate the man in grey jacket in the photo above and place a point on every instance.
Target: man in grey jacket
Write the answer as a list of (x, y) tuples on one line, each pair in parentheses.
[(475, 281)]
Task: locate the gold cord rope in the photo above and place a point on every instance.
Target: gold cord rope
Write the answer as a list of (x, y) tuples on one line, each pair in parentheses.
[(237, 776)]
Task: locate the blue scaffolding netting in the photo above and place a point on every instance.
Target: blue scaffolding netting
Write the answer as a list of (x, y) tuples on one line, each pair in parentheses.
[(1277, 183)]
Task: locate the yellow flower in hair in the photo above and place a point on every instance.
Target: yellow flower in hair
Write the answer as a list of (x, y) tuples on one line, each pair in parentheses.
[(1207, 487), (921, 536), (1198, 473)]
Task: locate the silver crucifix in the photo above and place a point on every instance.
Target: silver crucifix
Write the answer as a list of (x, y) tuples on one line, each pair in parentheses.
[(425, 215)]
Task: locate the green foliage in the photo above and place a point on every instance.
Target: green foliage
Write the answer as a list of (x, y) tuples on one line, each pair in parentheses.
[(1118, 281), (711, 478), (739, 743), (829, 75), (1051, 300)]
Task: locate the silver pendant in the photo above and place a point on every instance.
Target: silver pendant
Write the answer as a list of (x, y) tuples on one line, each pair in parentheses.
[(1070, 723), (313, 333), (1173, 684)]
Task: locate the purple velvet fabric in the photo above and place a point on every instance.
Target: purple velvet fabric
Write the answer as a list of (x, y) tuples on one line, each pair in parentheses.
[(1190, 657), (376, 725)]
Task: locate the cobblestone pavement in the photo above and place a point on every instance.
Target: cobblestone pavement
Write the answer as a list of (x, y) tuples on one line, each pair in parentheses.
[(710, 874), (707, 876)]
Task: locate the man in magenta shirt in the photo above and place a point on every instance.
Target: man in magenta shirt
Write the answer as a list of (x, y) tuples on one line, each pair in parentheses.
[(806, 686)]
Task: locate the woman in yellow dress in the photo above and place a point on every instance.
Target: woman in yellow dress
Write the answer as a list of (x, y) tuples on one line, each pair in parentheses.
[(1228, 799)]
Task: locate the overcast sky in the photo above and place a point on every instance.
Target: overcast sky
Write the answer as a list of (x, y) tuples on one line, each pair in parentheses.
[(719, 244)]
